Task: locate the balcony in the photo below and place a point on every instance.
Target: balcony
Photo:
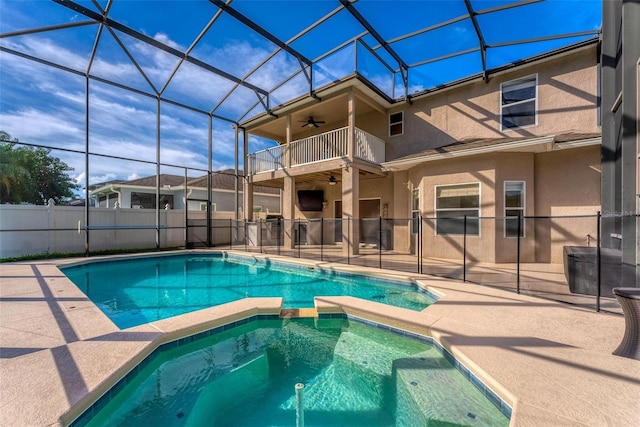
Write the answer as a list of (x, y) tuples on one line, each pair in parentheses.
[(318, 148)]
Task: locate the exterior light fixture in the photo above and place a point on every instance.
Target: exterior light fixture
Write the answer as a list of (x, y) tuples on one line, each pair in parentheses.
[(332, 180)]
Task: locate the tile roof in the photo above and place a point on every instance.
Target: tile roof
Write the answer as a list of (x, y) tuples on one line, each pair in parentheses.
[(221, 180)]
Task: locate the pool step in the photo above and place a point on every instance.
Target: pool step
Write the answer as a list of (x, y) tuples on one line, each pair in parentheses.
[(296, 313)]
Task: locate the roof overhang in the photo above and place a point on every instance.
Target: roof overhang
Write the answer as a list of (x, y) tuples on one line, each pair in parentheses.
[(272, 124), (530, 145), (328, 103)]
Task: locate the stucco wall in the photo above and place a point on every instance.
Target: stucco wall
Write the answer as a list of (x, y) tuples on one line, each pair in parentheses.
[(515, 167), (567, 183), (567, 95), (400, 207), (468, 170), (558, 183)]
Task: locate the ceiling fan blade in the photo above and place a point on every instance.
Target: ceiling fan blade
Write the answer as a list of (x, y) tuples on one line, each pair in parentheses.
[(310, 122)]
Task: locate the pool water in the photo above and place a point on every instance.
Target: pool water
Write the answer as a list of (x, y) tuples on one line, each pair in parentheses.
[(135, 291), (353, 375)]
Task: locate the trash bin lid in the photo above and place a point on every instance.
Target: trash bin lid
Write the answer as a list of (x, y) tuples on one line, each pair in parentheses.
[(633, 293)]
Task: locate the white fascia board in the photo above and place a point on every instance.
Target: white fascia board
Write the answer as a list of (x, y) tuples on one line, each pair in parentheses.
[(579, 143), (409, 163)]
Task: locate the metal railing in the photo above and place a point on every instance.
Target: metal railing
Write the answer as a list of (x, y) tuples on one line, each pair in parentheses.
[(573, 259), (555, 258)]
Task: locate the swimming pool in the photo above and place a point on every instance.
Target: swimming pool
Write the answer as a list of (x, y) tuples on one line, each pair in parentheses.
[(134, 291), (353, 374)]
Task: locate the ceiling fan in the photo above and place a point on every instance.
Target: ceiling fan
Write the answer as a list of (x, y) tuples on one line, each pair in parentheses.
[(310, 122)]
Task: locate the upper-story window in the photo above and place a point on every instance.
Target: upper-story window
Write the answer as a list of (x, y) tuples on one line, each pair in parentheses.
[(519, 102), (396, 123)]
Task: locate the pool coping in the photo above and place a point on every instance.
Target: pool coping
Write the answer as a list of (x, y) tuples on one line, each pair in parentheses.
[(101, 401), (523, 359)]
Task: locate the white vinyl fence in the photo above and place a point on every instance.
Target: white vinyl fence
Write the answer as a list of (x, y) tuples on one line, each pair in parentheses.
[(32, 230)]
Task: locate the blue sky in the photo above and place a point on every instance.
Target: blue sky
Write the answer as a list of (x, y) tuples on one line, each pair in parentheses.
[(44, 105)]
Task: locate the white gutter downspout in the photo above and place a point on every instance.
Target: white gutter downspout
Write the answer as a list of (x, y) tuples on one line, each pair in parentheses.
[(186, 197), (119, 196)]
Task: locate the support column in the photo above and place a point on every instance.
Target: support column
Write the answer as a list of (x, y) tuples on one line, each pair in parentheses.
[(351, 187), (350, 210), (247, 200), (236, 189), (288, 210), (620, 133), (247, 193), (629, 139), (351, 137)]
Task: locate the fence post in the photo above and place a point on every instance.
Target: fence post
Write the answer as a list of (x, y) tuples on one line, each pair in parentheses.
[(321, 238), (518, 253), (347, 242), (299, 238), (420, 266), (278, 235), (380, 242), (259, 233), (599, 262), (186, 212), (464, 250)]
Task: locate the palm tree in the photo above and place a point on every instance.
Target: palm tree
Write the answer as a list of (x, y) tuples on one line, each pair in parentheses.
[(12, 169), (31, 174)]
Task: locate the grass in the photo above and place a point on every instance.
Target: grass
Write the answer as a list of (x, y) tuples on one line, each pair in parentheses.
[(57, 255)]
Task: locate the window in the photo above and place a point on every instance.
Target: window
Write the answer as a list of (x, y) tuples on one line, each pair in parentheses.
[(513, 208), (453, 203), (203, 206), (396, 124), (518, 103), (415, 211), (148, 200)]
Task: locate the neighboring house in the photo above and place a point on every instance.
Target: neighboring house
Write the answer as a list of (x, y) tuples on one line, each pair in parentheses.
[(141, 194), (525, 142)]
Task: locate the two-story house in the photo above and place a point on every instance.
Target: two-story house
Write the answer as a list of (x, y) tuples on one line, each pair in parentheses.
[(524, 143)]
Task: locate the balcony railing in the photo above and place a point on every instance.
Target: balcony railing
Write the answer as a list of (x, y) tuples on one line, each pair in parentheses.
[(325, 146), (369, 147), (316, 148), (267, 160)]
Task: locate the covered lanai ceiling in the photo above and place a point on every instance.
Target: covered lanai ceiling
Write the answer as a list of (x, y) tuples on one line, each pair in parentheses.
[(235, 60)]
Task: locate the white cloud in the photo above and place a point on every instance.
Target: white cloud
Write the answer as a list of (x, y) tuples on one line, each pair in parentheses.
[(49, 107), (165, 39)]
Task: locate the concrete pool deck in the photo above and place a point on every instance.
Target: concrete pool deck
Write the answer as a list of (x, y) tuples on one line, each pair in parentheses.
[(552, 362)]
